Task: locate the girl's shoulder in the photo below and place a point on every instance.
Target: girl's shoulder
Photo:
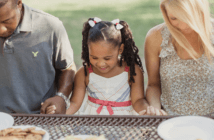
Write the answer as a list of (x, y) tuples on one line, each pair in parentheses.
[(138, 71), (81, 74), (80, 70)]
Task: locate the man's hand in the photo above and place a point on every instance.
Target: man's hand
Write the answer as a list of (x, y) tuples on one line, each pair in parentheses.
[(58, 102)]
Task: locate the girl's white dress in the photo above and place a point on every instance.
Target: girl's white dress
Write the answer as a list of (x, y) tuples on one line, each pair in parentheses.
[(108, 89)]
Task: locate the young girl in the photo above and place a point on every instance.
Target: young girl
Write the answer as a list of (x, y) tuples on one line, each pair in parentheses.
[(112, 73)]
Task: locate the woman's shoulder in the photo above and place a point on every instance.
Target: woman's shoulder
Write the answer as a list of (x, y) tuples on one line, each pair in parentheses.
[(155, 31), (154, 38)]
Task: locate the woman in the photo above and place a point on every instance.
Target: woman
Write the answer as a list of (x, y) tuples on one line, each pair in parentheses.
[(179, 60)]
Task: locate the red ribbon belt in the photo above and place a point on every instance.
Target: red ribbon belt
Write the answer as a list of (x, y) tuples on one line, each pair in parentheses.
[(108, 104)]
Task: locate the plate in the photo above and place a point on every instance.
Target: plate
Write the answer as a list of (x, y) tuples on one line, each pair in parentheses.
[(6, 120), (79, 136), (45, 137), (187, 128)]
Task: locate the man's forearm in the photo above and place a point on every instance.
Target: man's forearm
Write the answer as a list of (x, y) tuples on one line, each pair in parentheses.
[(66, 79)]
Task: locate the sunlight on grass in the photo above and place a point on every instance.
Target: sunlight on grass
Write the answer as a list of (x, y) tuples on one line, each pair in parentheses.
[(150, 16), (72, 5)]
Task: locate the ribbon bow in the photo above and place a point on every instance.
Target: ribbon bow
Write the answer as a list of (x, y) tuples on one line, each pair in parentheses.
[(93, 22), (108, 104), (118, 25)]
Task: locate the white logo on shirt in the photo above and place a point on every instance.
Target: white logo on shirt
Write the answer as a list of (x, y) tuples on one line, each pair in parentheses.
[(35, 53)]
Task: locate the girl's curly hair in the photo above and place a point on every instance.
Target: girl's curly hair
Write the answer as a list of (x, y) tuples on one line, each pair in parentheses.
[(107, 31)]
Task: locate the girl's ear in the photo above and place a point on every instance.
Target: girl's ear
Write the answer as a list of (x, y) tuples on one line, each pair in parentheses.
[(121, 48)]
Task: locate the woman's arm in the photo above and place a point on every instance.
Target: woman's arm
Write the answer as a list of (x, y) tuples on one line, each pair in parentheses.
[(137, 91), (152, 50), (78, 93)]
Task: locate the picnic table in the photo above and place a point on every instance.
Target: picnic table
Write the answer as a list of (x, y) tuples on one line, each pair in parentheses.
[(112, 127)]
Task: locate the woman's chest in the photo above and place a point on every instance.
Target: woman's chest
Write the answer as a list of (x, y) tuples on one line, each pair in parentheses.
[(174, 69)]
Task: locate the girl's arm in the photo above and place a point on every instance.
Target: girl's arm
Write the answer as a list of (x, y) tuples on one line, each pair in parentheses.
[(137, 91), (78, 93), (152, 50)]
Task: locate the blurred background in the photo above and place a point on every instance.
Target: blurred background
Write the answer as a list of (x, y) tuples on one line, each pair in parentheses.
[(141, 15)]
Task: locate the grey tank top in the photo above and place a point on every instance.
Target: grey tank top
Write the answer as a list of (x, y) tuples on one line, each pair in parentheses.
[(187, 86)]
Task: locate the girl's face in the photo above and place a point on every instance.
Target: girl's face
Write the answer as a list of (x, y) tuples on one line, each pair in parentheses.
[(103, 56), (180, 25)]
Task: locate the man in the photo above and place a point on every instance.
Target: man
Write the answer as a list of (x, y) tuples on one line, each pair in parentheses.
[(33, 47)]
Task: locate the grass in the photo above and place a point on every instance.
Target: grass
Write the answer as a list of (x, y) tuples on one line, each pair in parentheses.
[(141, 15)]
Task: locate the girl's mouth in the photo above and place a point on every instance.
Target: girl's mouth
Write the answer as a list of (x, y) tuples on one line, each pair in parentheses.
[(102, 68)]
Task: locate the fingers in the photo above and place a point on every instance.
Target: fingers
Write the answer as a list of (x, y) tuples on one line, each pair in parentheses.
[(148, 111), (157, 112), (152, 110), (163, 112), (50, 112), (143, 112), (44, 106), (51, 109)]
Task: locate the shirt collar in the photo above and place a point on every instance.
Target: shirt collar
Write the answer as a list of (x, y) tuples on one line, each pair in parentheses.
[(26, 24)]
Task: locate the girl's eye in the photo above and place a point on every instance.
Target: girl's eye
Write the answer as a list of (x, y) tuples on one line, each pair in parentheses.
[(94, 58), (107, 58)]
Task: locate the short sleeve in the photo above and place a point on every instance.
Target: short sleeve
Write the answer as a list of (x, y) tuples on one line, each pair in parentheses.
[(63, 52)]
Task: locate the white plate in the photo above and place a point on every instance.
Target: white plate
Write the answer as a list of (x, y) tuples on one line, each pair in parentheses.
[(6, 120), (187, 128), (45, 137)]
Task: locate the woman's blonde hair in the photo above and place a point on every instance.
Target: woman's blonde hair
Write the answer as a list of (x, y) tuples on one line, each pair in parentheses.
[(196, 14)]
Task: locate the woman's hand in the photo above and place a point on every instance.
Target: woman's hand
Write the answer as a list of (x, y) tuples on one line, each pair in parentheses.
[(153, 111)]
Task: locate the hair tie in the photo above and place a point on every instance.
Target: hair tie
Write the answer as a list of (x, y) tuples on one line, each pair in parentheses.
[(93, 22), (117, 24)]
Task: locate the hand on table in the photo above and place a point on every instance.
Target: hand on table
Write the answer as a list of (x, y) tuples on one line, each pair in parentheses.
[(54, 105), (153, 111)]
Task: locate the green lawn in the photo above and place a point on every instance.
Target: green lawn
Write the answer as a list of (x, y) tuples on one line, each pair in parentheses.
[(141, 15)]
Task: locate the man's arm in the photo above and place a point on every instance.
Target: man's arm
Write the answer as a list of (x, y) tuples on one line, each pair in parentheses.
[(66, 79), (64, 85)]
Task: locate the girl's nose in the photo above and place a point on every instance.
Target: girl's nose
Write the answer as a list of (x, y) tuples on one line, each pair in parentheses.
[(101, 63)]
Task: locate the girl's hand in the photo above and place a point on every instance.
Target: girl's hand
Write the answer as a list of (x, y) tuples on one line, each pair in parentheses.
[(153, 111), (50, 109)]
